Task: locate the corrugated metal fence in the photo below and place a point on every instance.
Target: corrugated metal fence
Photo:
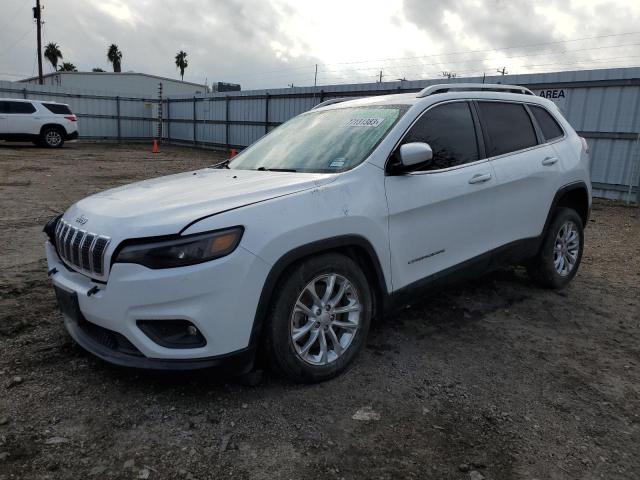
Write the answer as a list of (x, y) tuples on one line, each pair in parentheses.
[(602, 105), (102, 116)]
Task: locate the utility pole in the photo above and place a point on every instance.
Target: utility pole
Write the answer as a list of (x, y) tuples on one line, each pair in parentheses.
[(160, 112), (503, 71), (380, 78), (315, 84), (37, 15)]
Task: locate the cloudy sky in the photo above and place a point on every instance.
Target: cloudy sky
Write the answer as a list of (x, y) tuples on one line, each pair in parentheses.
[(266, 44)]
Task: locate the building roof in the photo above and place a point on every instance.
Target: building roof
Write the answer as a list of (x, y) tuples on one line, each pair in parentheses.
[(29, 100), (115, 73)]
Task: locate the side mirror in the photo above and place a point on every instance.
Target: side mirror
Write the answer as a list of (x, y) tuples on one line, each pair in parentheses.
[(415, 153)]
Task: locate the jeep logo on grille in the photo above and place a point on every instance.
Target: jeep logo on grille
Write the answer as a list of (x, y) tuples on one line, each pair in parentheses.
[(82, 219)]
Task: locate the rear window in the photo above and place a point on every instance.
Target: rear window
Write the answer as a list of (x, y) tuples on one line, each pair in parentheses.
[(57, 108), (550, 128), (16, 107), (508, 127)]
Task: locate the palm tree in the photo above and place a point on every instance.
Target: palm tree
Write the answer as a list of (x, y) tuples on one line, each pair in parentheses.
[(181, 62), (52, 53), (115, 57), (67, 67)]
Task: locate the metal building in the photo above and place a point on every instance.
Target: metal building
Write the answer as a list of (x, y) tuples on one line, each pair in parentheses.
[(125, 83)]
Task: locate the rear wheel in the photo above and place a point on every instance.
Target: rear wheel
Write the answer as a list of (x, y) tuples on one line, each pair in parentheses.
[(319, 319), (52, 137), (559, 257)]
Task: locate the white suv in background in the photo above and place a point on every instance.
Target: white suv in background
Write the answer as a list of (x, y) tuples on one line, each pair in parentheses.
[(294, 246), (48, 124)]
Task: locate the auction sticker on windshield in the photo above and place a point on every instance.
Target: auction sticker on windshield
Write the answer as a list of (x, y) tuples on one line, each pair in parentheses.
[(364, 122)]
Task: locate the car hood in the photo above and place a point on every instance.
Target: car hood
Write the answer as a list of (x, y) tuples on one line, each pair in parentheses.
[(165, 205)]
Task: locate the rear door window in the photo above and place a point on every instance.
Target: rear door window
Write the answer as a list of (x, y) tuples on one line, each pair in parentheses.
[(450, 132), (549, 126), (20, 107), (57, 108), (4, 107), (508, 127)]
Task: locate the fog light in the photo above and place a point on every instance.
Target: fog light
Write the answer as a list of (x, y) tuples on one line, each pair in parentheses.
[(173, 333)]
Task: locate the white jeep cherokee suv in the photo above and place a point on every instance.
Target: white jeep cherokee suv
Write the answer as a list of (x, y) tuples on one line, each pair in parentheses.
[(296, 244), (48, 124)]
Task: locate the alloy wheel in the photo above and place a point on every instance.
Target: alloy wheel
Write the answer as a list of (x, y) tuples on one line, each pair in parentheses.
[(53, 138), (566, 248), (325, 319)]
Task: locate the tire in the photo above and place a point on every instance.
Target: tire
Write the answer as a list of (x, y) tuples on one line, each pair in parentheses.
[(317, 319), (562, 244), (52, 137)]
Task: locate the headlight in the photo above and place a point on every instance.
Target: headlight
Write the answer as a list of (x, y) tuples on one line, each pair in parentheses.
[(183, 251)]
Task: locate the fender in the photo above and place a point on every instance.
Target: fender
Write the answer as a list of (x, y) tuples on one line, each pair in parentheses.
[(562, 191), (54, 125), (343, 242)]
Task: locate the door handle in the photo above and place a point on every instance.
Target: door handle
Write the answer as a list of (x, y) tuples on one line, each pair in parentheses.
[(480, 178), (547, 162)]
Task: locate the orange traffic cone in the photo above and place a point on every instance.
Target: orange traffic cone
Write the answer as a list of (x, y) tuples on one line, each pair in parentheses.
[(234, 152), (155, 146)]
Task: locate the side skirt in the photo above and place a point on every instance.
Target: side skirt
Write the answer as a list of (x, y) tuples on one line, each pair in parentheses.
[(19, 137), (509, 254)]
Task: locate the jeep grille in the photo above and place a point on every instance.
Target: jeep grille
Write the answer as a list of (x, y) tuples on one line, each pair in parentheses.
[(83, 250)]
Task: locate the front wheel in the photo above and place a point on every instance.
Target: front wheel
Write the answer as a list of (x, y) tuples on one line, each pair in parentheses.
[(52, 137), (559, 257), (319, 319)]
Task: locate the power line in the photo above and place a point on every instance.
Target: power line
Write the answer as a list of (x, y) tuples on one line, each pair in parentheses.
[(558, 42), (12, 16), (489, 59), (442, 63), (17, 41), (531, 45), (479, 73), (435, 74), (610, 59)]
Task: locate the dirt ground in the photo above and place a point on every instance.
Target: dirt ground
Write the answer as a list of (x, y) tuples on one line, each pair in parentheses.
[(492, 379)]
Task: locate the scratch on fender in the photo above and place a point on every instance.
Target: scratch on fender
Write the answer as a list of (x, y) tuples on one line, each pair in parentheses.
[(424, 257)]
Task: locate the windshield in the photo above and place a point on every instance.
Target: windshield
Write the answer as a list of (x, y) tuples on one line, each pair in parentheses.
[(321, 141)]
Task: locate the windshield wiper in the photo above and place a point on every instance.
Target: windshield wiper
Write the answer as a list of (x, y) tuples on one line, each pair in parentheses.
[(264, 169), (223, 164)]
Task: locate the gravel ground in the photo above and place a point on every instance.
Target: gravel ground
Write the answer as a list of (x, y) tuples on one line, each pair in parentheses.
[(492, 378)]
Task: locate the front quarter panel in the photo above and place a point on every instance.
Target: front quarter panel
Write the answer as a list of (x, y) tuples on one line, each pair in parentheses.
[(354, 204)]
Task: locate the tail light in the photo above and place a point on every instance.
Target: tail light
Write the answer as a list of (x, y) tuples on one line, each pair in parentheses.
[(71, 118), (585, 145)]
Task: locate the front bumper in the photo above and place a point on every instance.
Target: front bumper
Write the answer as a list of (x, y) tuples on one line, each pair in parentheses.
[(236, 363), (218, 297)]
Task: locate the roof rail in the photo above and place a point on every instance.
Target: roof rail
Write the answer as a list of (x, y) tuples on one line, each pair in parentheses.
[(331, 101), (472, 87)]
